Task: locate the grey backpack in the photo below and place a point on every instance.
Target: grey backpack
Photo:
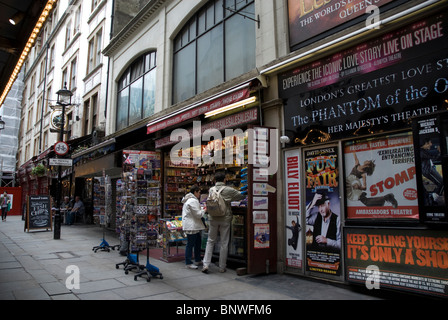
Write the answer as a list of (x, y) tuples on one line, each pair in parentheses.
[(216, 205)]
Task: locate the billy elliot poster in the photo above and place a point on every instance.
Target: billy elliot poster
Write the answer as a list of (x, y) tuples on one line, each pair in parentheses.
[(323, 223), (293, 217), (381, 179)]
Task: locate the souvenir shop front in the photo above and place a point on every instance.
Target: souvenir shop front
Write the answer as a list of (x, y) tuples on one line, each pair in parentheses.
[(97, 175), (366, 165), (221, 133)]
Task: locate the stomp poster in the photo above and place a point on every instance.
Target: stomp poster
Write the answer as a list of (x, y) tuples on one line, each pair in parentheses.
[(380, 180)]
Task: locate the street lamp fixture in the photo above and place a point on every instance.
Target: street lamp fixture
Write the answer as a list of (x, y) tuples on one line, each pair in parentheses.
[(64, 96), (64, 100)]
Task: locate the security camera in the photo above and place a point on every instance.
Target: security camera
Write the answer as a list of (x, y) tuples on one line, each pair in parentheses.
[(284, 139)]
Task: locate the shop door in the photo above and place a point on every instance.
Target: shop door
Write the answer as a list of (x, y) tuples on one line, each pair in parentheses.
[(322, 212)]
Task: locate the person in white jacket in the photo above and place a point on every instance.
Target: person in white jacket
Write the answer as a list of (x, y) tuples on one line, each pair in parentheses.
[(192, 225)]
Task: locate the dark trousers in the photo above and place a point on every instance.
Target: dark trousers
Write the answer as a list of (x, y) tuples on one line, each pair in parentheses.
[(4, 212), (193, 244)]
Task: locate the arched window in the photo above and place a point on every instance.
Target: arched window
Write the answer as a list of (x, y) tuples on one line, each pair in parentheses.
[(136, 91), (215, 45)]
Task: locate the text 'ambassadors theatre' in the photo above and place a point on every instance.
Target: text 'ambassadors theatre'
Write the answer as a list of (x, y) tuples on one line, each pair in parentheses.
[(365, 168)]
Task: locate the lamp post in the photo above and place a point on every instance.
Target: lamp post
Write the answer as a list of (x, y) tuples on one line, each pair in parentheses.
[(64, 100)]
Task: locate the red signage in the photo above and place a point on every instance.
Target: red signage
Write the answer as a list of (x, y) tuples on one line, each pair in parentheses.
[(201, 109), (232, 121), (61, 148)]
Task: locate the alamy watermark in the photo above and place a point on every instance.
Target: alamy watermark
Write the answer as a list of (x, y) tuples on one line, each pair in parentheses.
[(373, 278), (373, 20), (263, 144), (73, 280)]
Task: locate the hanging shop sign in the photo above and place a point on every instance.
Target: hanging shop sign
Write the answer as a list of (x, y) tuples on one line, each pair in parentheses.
[(400, 259), (293, 216), (381, 178), (369, 88), (193, 112), (430, 140), (56, 120), (323, 223), (308, 18)]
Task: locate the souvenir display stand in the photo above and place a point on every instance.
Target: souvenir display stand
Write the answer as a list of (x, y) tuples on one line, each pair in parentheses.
[(152, 238), (104, 245), (139, 207), (171, 234), (102, 199)]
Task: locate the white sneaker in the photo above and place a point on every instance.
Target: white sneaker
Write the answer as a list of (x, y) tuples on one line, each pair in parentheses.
[(191, 266)]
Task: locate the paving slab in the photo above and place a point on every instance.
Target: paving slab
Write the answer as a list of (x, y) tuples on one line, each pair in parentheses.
[(33, 266)]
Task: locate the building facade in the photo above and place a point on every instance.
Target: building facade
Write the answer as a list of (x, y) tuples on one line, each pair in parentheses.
[(334, 101), (67, 53)]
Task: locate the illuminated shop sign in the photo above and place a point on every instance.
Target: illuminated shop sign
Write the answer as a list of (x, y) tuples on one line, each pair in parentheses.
[(369, 88), (308, 18)]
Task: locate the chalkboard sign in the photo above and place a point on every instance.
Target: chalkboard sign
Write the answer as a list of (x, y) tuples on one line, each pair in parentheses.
[(38, 213)]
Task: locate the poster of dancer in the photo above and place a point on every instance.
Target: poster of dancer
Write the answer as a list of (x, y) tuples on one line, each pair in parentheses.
[(380, 178), (323, 223), (293, 215)]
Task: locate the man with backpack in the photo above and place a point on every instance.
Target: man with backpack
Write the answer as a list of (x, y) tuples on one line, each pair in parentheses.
[(219, 221)]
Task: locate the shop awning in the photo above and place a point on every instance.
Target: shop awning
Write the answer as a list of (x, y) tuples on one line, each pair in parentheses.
[(103, 147), (226, 98), (95, 168)]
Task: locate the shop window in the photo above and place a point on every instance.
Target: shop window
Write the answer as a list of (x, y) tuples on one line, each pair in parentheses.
[(136, 91), (216, 45)]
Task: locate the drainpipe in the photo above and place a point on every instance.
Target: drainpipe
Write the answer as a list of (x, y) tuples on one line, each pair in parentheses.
[(43, 100)]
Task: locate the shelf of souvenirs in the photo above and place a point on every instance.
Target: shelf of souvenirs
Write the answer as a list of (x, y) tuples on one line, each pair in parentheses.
[(173, 229)]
